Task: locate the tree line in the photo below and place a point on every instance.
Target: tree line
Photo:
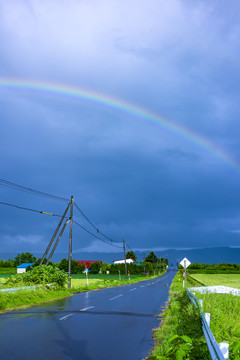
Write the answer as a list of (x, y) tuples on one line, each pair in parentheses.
[(212, 268), (151, 264)]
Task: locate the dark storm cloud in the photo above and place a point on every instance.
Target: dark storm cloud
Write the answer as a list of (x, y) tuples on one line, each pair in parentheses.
[(132, 177)]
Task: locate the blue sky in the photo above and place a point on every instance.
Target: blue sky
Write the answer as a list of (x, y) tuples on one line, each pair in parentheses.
[(133, 178)]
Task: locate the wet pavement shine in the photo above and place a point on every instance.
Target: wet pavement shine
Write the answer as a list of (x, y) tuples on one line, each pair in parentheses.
[(114, 323)]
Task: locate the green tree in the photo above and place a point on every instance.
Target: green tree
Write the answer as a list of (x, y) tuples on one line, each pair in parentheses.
[(24, 258), (131, 255), (95, 267), (75, 267), (152, 258), (105, 266)]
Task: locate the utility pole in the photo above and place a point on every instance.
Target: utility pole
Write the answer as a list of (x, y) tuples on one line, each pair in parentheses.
[(125, 258), (70, 244), (144, 264)]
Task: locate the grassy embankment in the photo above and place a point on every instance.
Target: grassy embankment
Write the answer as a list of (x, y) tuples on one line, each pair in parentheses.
[(224, 310), (25, 298), (180, 333)]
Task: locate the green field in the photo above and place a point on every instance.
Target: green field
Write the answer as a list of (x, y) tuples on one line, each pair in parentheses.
[(232, 280), (104, 276), (76, 283)]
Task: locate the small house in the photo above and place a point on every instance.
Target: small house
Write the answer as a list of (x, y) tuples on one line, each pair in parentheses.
[(122, 261), (23, 267), (87, 263)]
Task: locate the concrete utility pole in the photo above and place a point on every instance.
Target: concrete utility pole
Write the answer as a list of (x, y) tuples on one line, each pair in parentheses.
[(70, 244), (125, 258), (144, 264)]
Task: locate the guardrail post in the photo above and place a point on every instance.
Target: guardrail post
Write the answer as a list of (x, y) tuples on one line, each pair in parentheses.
[(207, 317), (201, 303), (224, 347)]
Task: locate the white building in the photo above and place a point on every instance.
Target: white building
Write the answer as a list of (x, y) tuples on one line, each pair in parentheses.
[(23, 267), (128, 261)]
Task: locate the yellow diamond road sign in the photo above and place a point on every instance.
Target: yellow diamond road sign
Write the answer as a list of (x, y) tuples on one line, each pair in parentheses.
[(185, 262)]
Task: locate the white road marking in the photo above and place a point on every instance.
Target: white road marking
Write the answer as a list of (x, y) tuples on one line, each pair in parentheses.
[(87, 308), (133, 289), (116, 297), (65, 317), (142, 285)]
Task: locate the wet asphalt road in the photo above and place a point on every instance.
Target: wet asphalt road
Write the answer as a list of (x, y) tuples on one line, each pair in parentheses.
[(109, 324)]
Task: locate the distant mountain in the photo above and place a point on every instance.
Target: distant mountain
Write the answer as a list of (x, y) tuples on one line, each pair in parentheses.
[(214, 255)]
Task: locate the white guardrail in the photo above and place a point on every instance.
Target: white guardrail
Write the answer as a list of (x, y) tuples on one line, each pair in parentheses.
[(213, 347)]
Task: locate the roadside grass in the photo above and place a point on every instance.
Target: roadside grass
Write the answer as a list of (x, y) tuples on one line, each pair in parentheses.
[(224, 310), (232, 280), (6, 270), (104, 276), (180, 333), (101, 282), (25, 298)]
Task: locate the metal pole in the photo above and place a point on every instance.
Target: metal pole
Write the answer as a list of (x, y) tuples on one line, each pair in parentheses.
[(70, 244), (125, 258)]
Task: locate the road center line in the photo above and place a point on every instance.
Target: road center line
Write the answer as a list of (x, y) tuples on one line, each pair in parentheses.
[(133, 289), (87, 308), (115, 297), (65, 317), (142, 285)]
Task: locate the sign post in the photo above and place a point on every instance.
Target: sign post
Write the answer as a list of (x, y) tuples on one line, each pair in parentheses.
[(86, 270), (185, 263)]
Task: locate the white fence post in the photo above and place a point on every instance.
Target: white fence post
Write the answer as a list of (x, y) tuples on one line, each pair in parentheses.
[(201, 303), (207, 317), (224, 347)]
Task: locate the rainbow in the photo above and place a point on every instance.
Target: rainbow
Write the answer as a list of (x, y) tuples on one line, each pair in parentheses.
[(123, 106)]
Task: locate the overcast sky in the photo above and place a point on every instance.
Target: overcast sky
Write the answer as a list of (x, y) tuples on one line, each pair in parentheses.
[(132, 176)]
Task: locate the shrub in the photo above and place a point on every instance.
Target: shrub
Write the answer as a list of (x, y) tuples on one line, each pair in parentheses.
[(40, 275)]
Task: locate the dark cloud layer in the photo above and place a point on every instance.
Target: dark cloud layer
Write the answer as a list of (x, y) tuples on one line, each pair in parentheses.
[(132, 177)]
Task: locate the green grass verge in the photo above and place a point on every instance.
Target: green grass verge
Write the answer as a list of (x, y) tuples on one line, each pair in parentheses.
[(101, 282), (24, 298), (104, 276), (180, 334), (5, 270)]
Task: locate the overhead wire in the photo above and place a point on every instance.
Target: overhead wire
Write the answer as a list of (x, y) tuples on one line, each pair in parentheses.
[(29, 209), (22, 188), (94, 226), (15, 186), (97, 237)]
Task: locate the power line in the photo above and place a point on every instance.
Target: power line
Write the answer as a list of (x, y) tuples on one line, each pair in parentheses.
[(15, 186), (29, 209), (97, 237), (129, 246), (94, 226)]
